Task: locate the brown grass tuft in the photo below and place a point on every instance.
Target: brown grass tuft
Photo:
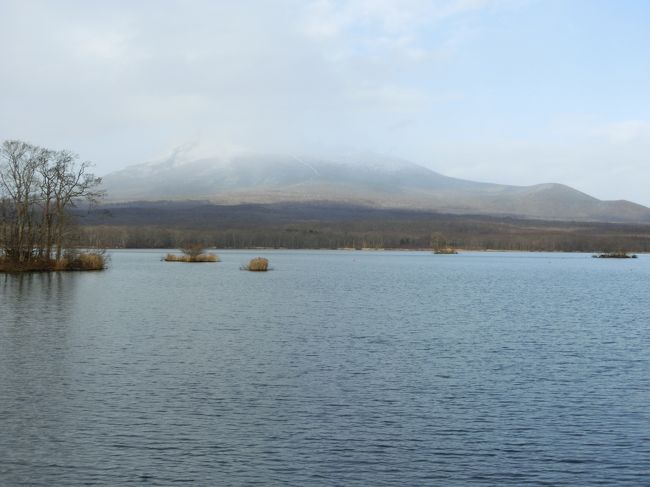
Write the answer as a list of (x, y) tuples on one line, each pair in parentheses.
[(258, 264), (83, 261), (191, 258), (60, 265), (92, 262), (445, 251)]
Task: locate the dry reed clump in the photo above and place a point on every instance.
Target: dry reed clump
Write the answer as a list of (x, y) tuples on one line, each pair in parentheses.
[(445, 251), (83, 261), (258, 264), (191, 258), (61, 264), (91, 261)]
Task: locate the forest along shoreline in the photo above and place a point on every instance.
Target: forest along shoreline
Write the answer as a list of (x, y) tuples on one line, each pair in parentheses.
[(170, 224)]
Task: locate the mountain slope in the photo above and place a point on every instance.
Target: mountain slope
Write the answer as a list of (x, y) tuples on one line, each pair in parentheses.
[(370, 180)]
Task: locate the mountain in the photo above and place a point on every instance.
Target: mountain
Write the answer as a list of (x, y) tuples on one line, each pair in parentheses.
[(365, 179)]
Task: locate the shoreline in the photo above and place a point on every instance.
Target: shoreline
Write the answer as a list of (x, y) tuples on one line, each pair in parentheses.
[(369, 250)]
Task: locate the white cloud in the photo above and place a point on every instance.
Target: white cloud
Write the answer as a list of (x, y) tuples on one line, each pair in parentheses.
[(627, 131), (389, 25), (605, 159), (261, 74), (124, 82)]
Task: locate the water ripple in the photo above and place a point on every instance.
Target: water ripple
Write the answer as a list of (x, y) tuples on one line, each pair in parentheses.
[(401, 369)]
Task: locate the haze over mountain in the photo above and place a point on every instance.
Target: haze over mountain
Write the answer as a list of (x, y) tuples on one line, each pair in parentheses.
[(371, 180)]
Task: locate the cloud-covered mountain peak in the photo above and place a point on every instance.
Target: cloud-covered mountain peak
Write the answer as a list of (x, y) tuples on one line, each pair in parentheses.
[(362, 178)]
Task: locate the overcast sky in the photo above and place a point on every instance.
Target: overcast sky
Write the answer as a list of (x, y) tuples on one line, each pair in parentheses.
[(507, 91)]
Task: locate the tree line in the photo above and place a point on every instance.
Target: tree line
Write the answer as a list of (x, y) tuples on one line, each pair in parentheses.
[(390, 234), (38, 187), (170, 224)]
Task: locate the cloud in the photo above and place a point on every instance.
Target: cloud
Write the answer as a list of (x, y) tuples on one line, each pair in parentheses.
[(604, 159), (627, 131), (126, 82), (268, 75), (362, 26)]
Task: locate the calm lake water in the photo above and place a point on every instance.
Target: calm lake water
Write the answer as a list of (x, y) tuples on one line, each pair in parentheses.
[(336, 368)]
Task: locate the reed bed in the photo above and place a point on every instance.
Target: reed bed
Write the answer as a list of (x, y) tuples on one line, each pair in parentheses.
[(39, 265), (192, 258), (445, 251), (86, 261), (71, 261), (258, 264)]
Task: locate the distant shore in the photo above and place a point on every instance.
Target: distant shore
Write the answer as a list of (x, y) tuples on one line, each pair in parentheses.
[(369, 250)]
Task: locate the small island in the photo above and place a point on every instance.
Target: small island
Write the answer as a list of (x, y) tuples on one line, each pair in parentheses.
[(193, 252), (38, 187), (445, 251), (614, 255), (258, 264)]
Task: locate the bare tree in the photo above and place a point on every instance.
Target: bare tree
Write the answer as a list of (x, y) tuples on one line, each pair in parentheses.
[(47, 184), (193, 250), (18, 178), (37, 188), (72, 182)]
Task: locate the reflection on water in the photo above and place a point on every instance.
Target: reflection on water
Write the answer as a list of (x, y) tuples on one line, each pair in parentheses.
[(36, 317), (337, 368), (36, 310), (51, 290)]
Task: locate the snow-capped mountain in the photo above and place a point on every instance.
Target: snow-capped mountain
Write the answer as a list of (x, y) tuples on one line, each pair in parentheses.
[(367, 179)]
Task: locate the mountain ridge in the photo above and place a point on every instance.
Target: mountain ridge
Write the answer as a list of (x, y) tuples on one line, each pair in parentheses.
[(361, 179)]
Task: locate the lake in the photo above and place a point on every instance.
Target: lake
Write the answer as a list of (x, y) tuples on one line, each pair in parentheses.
[(341, 368)]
